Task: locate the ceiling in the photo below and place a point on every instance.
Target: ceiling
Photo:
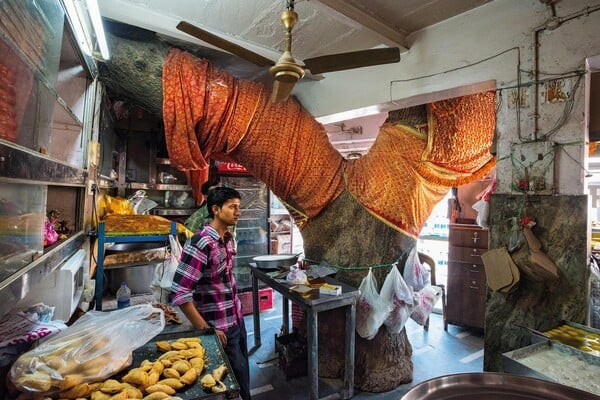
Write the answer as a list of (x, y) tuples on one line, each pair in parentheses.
[(324, 27)]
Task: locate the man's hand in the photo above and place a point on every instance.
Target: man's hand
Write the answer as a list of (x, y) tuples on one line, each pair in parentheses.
[(222, 337)]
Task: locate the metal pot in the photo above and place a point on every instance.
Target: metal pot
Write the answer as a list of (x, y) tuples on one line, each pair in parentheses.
[(275, 261)]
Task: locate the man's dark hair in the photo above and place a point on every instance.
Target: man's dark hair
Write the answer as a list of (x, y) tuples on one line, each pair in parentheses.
[(218, 196)]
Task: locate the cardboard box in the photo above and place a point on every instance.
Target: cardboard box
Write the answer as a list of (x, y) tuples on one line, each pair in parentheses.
[(326, 288), (265, 300)]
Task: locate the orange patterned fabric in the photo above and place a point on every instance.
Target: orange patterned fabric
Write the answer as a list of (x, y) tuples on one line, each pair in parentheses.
[(406, 173), (461, 130), (210, 114), (217, 116)]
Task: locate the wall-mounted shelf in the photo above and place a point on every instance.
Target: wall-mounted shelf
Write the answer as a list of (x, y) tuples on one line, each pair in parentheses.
[(159, 186)]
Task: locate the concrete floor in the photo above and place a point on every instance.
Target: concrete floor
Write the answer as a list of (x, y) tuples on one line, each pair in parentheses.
[(435, 353)]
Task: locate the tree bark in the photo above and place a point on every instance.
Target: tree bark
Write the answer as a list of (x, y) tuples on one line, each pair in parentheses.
[(343, 234)]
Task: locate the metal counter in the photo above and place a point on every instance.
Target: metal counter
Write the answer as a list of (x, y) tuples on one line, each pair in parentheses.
[(313, 304)]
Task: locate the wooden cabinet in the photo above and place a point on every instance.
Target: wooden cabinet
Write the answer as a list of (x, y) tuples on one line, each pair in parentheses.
[(466, 289)]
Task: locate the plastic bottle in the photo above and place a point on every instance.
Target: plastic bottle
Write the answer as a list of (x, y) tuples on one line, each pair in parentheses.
[(123, 296)]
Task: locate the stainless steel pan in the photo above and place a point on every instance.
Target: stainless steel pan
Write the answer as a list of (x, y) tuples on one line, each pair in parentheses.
[(275, 261)]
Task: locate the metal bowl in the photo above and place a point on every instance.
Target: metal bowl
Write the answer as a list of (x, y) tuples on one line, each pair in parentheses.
[(275, 261), (493, 386)]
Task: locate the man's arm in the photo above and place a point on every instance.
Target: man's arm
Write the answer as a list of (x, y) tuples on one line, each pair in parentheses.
[(193, 315)]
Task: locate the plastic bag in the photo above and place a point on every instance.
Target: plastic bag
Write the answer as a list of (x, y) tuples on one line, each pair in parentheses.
[(140, 203), (371, 309), (96, 346), (482, 207), (400, 299), (296, 276), (425, 300), (415, 275), (165, 271)]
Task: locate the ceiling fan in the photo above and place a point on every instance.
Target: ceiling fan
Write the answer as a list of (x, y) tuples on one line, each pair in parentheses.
[(286, 71)]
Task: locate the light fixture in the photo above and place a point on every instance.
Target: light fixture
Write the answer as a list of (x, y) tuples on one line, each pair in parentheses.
[(81, 17), (98, 28), (78, 28)]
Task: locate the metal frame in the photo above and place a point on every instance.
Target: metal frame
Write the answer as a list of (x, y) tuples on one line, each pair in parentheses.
[(313, 305), (104, 237)]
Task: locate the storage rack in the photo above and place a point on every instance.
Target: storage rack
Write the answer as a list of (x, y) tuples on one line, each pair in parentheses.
[(106, 237)]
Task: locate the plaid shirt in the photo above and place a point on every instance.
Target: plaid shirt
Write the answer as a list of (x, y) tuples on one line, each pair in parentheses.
[(205, 276)]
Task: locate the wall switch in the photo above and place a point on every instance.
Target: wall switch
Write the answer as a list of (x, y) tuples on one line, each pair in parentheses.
[(91, 188)]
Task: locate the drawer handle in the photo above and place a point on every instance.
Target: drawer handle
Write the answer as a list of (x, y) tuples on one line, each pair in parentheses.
[(475, 237), (475, 270), (473, 286)]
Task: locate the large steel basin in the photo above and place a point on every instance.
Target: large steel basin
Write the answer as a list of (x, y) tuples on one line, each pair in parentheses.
[(493, 386)]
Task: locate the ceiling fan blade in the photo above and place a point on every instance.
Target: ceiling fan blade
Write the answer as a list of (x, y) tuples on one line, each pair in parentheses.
[(226, 45), (354, 59), (281, 91)]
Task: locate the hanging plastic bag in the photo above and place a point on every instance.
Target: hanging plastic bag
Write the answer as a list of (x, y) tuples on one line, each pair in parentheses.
[(400, 299), (96, 346), (165, 271), (371, 310), (482, 207), (425, 300), (415, 275)]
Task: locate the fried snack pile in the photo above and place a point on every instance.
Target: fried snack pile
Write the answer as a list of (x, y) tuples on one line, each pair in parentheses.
[(178, 367), (170, 313), (67, 367), (213, 382)]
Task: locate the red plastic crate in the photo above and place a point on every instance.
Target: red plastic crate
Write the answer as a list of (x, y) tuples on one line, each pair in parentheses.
[(265, 300)]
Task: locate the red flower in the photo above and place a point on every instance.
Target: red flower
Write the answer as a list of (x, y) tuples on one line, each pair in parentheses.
[(526, 221)]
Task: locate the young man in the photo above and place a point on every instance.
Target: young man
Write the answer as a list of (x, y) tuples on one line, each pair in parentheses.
[(200, 217), (204, 287)]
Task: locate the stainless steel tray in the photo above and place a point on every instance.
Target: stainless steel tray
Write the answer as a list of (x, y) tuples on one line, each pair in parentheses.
[(493, 386)]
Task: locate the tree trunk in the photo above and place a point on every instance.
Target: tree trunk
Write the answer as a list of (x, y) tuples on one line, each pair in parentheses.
[(346, 234), (343, 234)]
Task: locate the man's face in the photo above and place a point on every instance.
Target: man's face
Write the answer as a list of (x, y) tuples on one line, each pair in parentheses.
[(229, 212)]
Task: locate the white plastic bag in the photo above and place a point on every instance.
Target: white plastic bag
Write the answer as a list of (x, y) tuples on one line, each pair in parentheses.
[(482, 207), (96, 346), (296, 276), (425, 300), (415, 275), (165, 271), (400, 299), (371, 310)]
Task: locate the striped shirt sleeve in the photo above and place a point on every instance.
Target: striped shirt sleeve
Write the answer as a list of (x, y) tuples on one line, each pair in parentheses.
[(188, 272)]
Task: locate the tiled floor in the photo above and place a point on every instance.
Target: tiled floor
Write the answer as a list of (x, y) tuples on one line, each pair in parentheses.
[(435, 353)]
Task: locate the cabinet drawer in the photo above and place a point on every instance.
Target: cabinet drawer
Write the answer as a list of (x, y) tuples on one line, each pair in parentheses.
[(468, 236), (468, 255)]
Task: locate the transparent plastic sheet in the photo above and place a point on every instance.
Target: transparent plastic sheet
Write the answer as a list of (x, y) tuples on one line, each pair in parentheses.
[(371, 310), (400, 299), (95, 347)]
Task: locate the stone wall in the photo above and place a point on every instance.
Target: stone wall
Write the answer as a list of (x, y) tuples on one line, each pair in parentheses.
[(561, 226)]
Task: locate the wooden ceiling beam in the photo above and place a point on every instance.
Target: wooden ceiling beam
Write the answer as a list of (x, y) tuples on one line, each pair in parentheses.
[(390, 35)]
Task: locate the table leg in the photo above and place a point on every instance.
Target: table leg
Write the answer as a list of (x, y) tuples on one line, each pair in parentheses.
[(348, 390), (255, 311), (286, 315), (100, 267), (313, 354)]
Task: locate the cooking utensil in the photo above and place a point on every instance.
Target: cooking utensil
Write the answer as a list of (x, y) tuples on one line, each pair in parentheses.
[(275, 261), (493, 386)]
